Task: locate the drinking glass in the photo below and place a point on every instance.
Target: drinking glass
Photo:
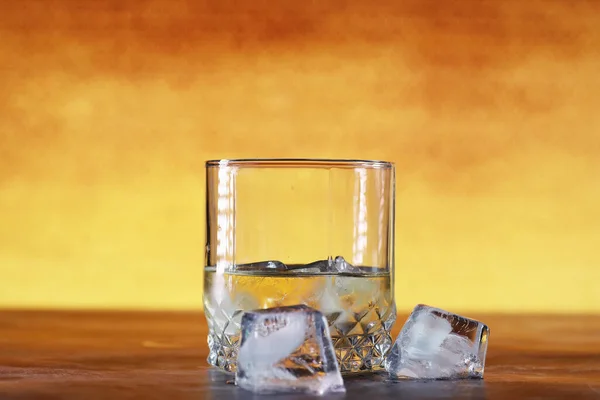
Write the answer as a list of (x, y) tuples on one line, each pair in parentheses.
[(301, 231)]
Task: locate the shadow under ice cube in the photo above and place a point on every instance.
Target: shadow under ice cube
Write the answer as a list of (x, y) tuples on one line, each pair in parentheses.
[(436, 344), (287, 349)]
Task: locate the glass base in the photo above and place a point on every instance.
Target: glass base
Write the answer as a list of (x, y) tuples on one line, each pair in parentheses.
[(355, 354)]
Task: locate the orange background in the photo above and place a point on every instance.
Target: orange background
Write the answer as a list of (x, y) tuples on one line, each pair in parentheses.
[(489, 108)]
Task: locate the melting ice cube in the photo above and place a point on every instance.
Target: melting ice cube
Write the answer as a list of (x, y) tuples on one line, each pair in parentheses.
[(287, 349), (435, 344), (341, 265), (333, 265), (330, 265), (262, 266)]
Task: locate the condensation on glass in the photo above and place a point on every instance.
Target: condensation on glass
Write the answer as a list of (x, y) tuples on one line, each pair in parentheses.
[(298, 231)]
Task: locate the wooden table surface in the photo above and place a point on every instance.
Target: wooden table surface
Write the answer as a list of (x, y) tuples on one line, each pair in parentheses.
[(142, 355)]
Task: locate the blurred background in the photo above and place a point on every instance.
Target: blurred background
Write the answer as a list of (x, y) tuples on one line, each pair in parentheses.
[(489, 109)]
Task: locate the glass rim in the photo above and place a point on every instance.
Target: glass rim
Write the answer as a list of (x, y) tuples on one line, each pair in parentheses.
[(298, 163)]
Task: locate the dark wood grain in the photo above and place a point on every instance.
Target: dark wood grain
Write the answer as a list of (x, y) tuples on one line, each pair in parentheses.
[(134, 355)]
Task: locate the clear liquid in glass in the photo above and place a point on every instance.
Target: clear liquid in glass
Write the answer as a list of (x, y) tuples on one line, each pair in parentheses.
[(359, 307)]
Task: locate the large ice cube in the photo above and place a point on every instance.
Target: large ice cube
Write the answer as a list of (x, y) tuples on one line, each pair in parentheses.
[(287, 349), (435, 344)]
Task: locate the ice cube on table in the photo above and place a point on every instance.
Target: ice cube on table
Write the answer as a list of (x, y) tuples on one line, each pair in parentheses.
[(436, 344), (287, 349)]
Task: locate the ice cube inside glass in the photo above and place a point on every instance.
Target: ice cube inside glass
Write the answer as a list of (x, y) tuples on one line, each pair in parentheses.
[(315, 232), (436, 344), (287, 349)]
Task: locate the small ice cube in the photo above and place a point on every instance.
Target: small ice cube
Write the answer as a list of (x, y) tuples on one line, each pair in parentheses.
[(435, 344), (263, 266), (287, 349), (332, 265), (274, 266), (317, 266), (343, 266)]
